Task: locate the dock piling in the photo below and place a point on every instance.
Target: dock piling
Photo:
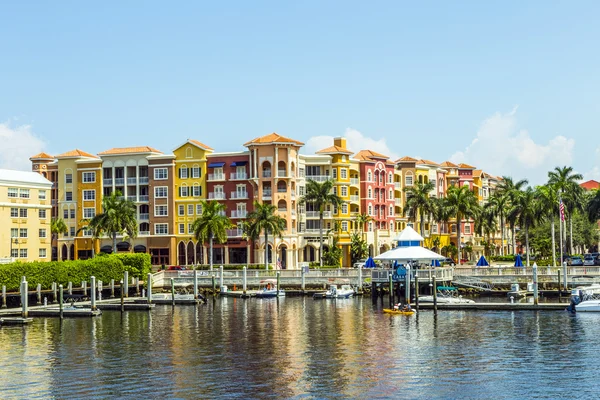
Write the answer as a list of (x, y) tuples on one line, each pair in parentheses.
[(3, 296), (391, 287), (125, 287), (535, 284), (360, 281), (93, 292), (303, 282), (214, 285), (24, 298), (417, 293), (434, 294), (559, 288), (149, 287), (70, 288), (244, 281), (122, 297), (196, 284), (99, 285), (278, 279), (173, 292), (54, 298), (60, 300), (566, 279), (38, 291), (84, 287), (407, 287), (137, 286), (112, 288), (220, 277)]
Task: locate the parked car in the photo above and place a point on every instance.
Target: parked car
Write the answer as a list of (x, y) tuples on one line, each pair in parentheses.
[(596, 258), (588, 259), (575, 261), (175, 268)]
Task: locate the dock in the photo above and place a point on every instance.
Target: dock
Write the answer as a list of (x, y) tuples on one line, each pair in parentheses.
[(71, 312), (496, 306), (15, 321)]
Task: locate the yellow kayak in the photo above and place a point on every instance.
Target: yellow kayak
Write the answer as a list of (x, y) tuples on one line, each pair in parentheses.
[(398, 312)]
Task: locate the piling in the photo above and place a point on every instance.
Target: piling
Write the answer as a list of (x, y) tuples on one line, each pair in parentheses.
[(303, 284), (112, 288), (221, 277), (70, 288), (60, 300), (125, 287), (196, 284), (122, 297), (54, 298), (24, 298), (433, 280), (360, 281), (278, 279), (244, 279), (374, 292), (214, 285), (535, 284), (559, 288), (417, 293), (137, 286), (93, 292), (566, 278), (173, 292), (149, 287), (84, 287), (391, 286), (99, 285), (38, 291), (3, 296)]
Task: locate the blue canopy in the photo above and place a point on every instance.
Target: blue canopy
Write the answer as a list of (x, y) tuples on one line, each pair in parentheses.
[(216, 164), (435, 263), (518, 261), (482, 262), (239, 163), (370, 263)]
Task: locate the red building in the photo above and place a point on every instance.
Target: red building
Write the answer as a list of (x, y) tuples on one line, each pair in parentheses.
[(227, 182), (377, 188), (590, 185)]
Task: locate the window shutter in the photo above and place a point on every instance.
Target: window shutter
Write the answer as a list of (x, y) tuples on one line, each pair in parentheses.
[(180, 188), (189, 172), (199, 172)]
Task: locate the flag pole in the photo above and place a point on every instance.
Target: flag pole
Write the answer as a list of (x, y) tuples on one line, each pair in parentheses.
[(560, 222)]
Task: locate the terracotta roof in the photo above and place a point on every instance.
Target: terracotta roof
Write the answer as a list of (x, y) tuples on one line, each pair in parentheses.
[(128, 150), (406, 159), (76, 153), (273, 138), (465, 166), (335, 149), (478, 172), (42, 156), (448, 164), (589, 185), (200, 144), (368, 155), (427, 162)]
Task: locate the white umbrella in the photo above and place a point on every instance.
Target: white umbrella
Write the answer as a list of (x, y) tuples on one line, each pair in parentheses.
[(411, 253)]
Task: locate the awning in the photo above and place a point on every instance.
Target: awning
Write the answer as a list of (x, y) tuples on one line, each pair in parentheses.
[(216, 164), (106, 249), (122, 246), (239, 163), (140, 248)]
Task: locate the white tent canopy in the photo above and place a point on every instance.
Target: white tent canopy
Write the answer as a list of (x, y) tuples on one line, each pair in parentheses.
[(410, 235), (416, 253)]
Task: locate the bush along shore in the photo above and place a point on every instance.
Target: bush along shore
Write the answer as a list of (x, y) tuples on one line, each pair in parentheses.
[(103, 267)]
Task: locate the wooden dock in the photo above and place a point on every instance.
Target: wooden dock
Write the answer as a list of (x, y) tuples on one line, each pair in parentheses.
[(496, 306)]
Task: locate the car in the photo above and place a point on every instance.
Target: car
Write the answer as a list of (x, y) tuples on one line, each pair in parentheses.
[(588, 259), (575, 261), (175, 268), (449, 262), (596, 258)]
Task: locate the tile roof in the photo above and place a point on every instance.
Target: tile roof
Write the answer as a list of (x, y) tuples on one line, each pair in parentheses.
[(9, 175), (427, 162), (42, 156), (368, 155), (406, 159), (76, 153), (448, 164), (334, 149), (200, 144), (273, 138), (129, 150), (478, 172), (589, 185), (465, 166)]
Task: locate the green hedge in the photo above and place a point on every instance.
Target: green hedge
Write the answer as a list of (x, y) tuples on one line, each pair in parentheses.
[(104, 268)]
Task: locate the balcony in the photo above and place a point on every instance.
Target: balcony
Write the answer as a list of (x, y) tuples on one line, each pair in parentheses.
[(318, 178), (132, 181), (354, 198), (216, 177), (293, 194), (132, 198), (293, 213), (354, 181), (239, 195), (282, 209), (315, 214), (239, 214), (397, 185), (107, 182), (143, 180), (267, 194), (119, 181), (282, 190), (266, 173), (398, 202), (143, 198), (234, 233), (238, 177), (281, 173), (144, 233), (217, 196), (144, 217)]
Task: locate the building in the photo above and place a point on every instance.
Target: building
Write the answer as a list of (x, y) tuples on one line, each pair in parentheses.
[(25, 207)]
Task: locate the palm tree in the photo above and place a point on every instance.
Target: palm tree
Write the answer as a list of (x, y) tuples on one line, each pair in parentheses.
[(212, 224), (419, 202), (362, 220), (461, 202), (547, 199), (527, 211), (57, 226), (264, 220), (320, 194), (497, 205), (486, 223), (118, 216), (565, 182), (593, 205), (509, 189)]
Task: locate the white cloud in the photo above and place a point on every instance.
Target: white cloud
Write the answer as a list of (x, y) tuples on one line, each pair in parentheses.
[(17, 145), (594, 173), (355, 140), (501, 148)]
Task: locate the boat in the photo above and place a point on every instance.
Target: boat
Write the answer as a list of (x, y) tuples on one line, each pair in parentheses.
[(446, 295), (588, 306), (268, 288), (517, 293), (344, 292), (398, 312), (585, 299), (168, 297)]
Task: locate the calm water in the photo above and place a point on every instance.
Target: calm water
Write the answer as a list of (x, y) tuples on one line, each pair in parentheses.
[(302, 348)]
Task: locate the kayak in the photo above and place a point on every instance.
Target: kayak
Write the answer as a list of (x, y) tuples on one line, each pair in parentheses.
[(398, 312)]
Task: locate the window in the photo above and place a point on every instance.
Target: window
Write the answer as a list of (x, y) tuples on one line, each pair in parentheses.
[(344, 208), (69, 196), (390, 178), (41, 195), (161, 229), (467, 229), (42, 253), (89, 213), (434, 229), (301, 172), (334, 173), (190, 209), (370, 226), (344, 226), (196, 172), (391, 211), (89, 195), (89, 177), (453, 228), (13, 192), (42, 233), (160, 174), (180, 210), (72, 212), (301, 190), (344, 191), (24, 193), (190, 230), (68, 178), (370, 209), (370, 194), (181, 229), (22, 213), (197, 191), (161, 192), (72, 231), (343, 173), (14, 253), (408, 180), (14, 232), (23, 253), (14, 212), (198, 209), (183, 173), (369, 176), (161, 211), (66, 214), (183, 191), (391, 195)]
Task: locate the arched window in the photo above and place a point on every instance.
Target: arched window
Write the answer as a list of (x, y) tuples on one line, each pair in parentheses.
[(408, 179), (369, 193), (369, 176), (370, 209), (390, 178), (189, 153)]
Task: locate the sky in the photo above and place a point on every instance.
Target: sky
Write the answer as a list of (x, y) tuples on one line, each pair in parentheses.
[(512, 87)]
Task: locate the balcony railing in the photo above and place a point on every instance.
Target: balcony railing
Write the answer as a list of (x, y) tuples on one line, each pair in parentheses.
[(398, 202), (234, 232), (119, 181), (131, 181), (266, 173), (239, 195), (107, 182), (315, 214), (234, 176), (282, 209), (239, 214), (318, 178), (397, 185), (143, 198), (132, 198), (267, 193), (144, 217), (281, 173), (217, 196), (216, 177), (143, 180), (354, 197), (144, 233), (293, 194), (354, 181), (282, 190)]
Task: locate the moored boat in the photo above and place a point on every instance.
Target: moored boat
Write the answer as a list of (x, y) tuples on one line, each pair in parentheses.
[(446, 295), (343, 292), (268, 288)]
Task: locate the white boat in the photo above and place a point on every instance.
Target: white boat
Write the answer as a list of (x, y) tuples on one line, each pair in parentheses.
[(168, 297), (268, 288), (585, 299), (446, 295), (588, 306), (344, 292)]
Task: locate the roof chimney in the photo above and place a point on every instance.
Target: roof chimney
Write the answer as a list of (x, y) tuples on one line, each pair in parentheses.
[(340, 142)]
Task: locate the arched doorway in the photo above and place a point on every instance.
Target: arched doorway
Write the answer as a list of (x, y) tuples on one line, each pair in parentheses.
[(282, 257), (64, 253), (72, 252), (190, 253), (270, 254), (181, 253)]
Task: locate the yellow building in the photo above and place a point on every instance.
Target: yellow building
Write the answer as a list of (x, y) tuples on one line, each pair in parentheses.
[(25, 207), (89, 193)]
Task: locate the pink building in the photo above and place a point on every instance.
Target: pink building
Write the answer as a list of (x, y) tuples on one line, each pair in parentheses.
[(377, 189)]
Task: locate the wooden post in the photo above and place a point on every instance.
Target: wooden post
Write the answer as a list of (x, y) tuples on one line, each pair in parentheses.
[(244, 277), (434, 294), (278, 279), (70, 288), (84, 287), (60, 300), (559, 288), (24, 298), (149, 287), (137, 286), (3, 296), (93, 293), (54, 298), (417, 293), (391, 287), (122, 297), (38, 290), (125, 287), (112, 288), (173, 292), (221, 277), (196, 284), (214, 285)]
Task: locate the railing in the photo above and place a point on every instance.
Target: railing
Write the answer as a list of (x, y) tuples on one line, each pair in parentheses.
[(318, 178), (144, 233), (282, 190), (234, 232), (315, 214), (354, 181), (143, 180), (239, 214), (312, 230), (266, 193), (354, 197), (239, 195), (216, 196), (397, 185), (293, 194), (282, 209), (281, 173), (443, 274), (216, 177), (143, 198), (107, 182), (266, 174), (132, 198), (510, 271), (234, 176), (293, 212), (131, 181), (398, 202), (119, 181), (144, 217)]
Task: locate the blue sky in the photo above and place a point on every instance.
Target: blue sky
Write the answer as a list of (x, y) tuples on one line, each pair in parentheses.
[(427, 80)]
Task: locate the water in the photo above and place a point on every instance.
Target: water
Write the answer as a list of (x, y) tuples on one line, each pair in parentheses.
[(302, 348)]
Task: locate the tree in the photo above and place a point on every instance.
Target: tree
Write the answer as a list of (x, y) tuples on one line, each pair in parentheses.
[(526, 210), (264, 220), (211, 225), (58, 226), (486, 224), (359, 250), (362, 220), (419, 202), (461, 202), (497, 205), (509, 189), (547, 199), (593, 205), (118, 216), (565, 182), (333, 255), (320, 194)]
